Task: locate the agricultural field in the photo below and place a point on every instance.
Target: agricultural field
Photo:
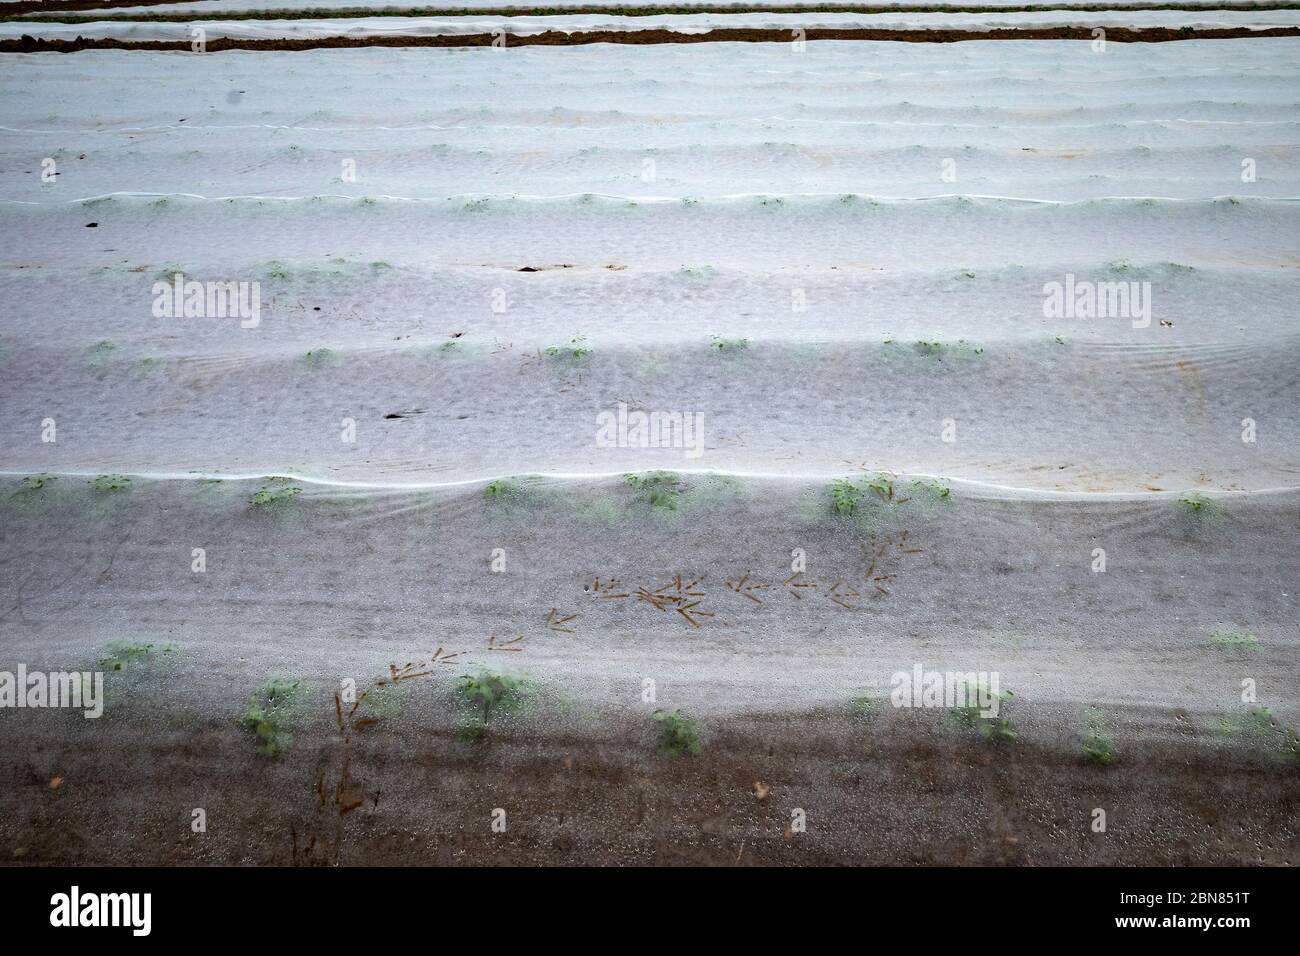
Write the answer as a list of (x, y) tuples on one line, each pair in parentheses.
[(598, 434)]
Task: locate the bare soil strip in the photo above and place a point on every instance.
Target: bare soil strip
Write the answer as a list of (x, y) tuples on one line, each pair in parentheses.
[(904, 792), (30, 44)]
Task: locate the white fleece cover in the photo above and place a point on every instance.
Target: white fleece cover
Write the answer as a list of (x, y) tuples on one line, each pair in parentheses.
[(681, 23), (219, 6), (793, 266)]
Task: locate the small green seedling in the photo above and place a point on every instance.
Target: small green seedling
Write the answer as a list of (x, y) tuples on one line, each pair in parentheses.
[(935, 488), (484, 694), (274, 491), (729, 345), (101, 352), (575, 350), (501, 488), (1257, 722), (679, 734), (998, 730), (862, 703), (659, 489), (37, 482), (1288, 742), (994, 728), (267, 715), (120, 652), (1233, 640), (323, 357), (1198, 506), (107, 483), (881, 485), (1098, 747), (845, 496), (510, 498)]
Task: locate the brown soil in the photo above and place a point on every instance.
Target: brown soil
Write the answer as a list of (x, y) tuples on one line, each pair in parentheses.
[(900, 788), (29, 44)]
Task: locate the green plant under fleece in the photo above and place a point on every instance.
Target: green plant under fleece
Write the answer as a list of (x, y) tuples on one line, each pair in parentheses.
[(1098, 747), (847, 495), (1196, 505), (1233, 640), (267, 715), (679, 735), (120, 652), (575, 350), (107, 483), (486, 693), (274, 491), (862, 703), (994, 728), (659, 489), (501, 488)]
